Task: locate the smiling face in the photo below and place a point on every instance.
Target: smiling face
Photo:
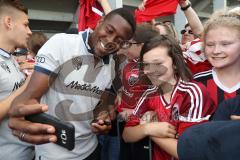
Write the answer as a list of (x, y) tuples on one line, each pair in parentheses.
[(187, 36), (109, 34), (158, 66), (222, 47)]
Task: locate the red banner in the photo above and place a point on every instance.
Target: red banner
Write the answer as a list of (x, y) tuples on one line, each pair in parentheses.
[(90, 11), (156, 8)]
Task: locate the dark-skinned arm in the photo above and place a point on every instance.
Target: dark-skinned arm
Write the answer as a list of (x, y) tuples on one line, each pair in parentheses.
[(27, 103), (105, 106)]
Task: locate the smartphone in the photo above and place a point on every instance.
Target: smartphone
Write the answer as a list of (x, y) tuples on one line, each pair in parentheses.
[(65, 131)]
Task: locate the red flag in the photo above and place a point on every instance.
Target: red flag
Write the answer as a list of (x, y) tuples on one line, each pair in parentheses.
[(195, 57), (156, 8), (90, 14)]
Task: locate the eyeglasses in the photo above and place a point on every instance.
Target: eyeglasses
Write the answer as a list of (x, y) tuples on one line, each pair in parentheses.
[(127, 44), (184, 31), (120, 44)]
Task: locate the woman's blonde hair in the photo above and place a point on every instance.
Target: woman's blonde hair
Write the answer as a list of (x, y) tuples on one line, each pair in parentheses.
[(223, 18)]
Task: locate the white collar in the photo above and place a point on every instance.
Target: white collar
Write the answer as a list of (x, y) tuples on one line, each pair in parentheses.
[(4, 53), (220, 85)]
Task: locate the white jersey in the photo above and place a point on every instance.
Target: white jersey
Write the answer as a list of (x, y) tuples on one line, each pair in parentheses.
[(10, 80), (75, 92)]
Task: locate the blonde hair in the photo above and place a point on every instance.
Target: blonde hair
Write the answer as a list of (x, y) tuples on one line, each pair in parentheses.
[(223, 18)]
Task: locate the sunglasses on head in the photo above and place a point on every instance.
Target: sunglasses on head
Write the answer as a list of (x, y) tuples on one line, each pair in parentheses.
[(184, 31)]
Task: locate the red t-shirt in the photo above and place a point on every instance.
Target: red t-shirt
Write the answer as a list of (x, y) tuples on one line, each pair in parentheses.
[(218, 92), (133, 86)]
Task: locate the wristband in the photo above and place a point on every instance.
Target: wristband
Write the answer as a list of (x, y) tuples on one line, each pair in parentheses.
[(186, 7)]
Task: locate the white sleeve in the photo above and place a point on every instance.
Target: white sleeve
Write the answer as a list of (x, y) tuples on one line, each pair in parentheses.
[(49, 57)]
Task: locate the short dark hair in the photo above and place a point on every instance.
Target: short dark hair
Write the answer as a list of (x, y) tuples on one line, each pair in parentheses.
[(144, 32), (14, 4), (174, 51), (125, 14), (36, 41)]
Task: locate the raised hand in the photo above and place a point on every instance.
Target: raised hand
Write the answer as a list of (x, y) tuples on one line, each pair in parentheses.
[(141, 6)]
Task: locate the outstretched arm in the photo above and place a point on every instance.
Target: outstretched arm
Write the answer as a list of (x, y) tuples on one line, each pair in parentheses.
[(27, 103), (192, 18)]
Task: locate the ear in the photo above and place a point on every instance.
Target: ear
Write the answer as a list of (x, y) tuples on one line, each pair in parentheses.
[(8, 22)]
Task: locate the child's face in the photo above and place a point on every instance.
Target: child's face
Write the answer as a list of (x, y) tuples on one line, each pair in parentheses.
[(134, 51), (222, 47), (158, 66)]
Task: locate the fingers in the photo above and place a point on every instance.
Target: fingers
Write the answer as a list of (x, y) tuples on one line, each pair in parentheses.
[(34, 139), (235, 117), (27, 131), (101, 127), (171, 126), (141, 7), (171, 133), (23, 110), (167, 130), (29, 127), (35, 133)]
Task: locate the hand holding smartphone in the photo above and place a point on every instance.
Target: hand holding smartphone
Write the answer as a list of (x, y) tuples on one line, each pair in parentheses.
[(65, 131), (103, 115)]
